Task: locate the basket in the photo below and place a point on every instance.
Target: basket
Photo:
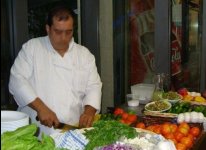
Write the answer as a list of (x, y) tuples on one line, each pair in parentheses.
[(151, 120)]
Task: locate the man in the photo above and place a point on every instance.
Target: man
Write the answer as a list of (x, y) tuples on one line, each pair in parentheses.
[(55, 79)]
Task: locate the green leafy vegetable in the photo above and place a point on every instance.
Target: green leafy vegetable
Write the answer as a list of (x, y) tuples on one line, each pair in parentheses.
[(22, 131), (23, 139)]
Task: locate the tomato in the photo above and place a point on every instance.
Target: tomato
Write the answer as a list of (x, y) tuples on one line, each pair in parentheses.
[(183, 91), (191, 136), (125, 115), (174, 141), (169, 136), (150, 128), (195, 131), (118, 111), (157, 129), (140, 125), (187, 142), (178, 136), (184, 125), (173, 128), (180, 146), (165, 129), (183, 130), (128, 122), (122, 121), (132, 118)]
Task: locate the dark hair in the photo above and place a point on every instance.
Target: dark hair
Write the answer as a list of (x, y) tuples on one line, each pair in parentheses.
[(60, 11)]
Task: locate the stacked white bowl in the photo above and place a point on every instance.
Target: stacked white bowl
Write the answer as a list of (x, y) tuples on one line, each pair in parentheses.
[(11, 120)]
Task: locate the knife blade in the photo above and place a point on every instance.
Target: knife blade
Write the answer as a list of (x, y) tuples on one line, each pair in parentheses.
[(63, 126)]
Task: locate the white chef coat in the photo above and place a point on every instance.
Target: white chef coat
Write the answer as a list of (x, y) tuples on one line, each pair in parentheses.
[(64, 84)]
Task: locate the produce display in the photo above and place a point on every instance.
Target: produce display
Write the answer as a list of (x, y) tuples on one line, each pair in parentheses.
[(116, 130), (165, 125)]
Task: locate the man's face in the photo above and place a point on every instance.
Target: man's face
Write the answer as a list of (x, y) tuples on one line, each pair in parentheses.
[(60, 33)]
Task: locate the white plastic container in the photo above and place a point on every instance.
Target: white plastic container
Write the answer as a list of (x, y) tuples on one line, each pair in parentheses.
[(144, 92), (132, 100)]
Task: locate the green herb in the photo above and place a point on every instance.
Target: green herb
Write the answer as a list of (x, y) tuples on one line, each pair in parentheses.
[(107, 132)]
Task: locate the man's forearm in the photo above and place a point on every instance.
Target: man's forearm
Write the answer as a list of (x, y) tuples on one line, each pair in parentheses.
[(37, 104)]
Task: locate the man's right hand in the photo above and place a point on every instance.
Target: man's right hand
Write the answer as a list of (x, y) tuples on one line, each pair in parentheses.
[(45, 115)]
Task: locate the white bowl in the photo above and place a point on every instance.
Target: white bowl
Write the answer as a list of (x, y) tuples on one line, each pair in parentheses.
[(173, 100), (168, 104), (11, 120)]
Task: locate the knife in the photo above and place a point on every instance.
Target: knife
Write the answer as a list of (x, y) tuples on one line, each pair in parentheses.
[(64, 126)]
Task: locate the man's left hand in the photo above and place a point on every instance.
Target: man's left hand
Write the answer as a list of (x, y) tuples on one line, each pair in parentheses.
[(87, 118)]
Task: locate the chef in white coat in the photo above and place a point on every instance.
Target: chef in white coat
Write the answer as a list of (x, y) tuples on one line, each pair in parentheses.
[(55, 78)]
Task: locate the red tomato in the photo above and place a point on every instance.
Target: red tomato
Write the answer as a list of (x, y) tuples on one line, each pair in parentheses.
[(180, 146), (184, 125), (150, 128), (183, 91), (191, 136), (183, 130), (125, 115), (195, 131), (174, 141), (173, 128), (122, 121), (140, 125), (128, 122), (169, 136), (178, 136), (132, 118), (157, 129), (187, 142), (118, 111), (165, 129)]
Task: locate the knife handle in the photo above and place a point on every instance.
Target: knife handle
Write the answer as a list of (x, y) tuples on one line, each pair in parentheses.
[(37, 118)]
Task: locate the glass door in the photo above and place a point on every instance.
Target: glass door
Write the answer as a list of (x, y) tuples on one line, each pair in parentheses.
[(156, 36), (186, 44)]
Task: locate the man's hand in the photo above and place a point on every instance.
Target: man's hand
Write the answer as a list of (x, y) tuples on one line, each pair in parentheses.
[(45, 115), (87, 118)]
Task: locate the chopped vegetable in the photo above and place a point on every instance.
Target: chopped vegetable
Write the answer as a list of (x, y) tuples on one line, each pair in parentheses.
[(171, 95), (157, 106)]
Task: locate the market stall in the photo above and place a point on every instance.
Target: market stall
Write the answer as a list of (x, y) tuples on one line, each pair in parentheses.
[(174, 122)]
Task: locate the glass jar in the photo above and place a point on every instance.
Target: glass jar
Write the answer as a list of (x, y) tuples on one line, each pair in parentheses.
[(158, 91)]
